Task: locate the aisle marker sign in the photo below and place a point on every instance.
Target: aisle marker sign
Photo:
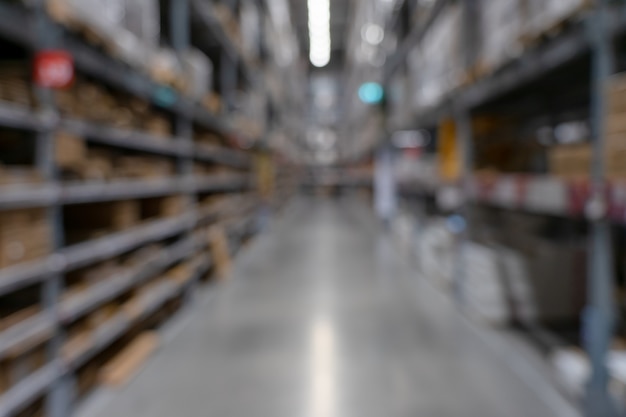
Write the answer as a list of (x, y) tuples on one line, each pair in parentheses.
[(54, 69)]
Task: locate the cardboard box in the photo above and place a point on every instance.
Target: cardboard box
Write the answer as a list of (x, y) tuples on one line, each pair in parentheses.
[(570, 160), (24, 236), (125, 214), (19, 175), (15, 85), (70, 150)]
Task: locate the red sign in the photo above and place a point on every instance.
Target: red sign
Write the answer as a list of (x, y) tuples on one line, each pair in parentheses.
[(54, 69)]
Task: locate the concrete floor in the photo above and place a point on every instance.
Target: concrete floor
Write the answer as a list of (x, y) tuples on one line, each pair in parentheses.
[(323, 318)]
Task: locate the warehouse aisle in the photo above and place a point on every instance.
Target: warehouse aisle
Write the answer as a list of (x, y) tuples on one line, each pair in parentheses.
[(323, 319)]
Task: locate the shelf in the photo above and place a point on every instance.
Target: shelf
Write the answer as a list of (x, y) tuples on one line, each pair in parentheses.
[(28, 332), (116, 244), (30, 389), (13, 197), (93, 192), (215, 183), (533, 64), (78, 305), (19, 117), (73, 257), (40, 381), (536, 194), (204, 12), (413, 38), (121, 138), (29, 196), (115, 327), (223, 156), (20, 276), (17, 24)]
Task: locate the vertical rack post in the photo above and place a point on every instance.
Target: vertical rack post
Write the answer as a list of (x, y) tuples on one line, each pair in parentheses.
[(599, 315), (465, 144), (61, 396), (228, 79), (464, 137), (180, 35)]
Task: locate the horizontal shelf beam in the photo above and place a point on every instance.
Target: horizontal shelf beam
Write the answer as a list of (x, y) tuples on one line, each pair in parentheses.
[(78, 305), (29, 389), (537, 194), (28, 196), (20, 117)]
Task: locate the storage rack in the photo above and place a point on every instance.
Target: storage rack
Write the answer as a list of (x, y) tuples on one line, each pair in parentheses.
[(597, 201), (32, 29)]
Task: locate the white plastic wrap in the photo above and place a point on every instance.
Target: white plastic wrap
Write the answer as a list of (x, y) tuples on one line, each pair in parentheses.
[(543, 15), (129, 28), (199, 70), (502, 24), (435, 254), (250, 23), (483, 287), (142, 18), (436, 65)]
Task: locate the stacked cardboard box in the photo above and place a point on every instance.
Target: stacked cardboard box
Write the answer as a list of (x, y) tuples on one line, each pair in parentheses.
[(19, 175), (70, 151), (24, 236), (94, 103), (162, 207), (96, 164), (142, 167), (571, 161), (15, 85), (615, 142)]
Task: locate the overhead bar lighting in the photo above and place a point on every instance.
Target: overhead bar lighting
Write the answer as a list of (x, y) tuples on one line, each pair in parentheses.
[(319, 32)]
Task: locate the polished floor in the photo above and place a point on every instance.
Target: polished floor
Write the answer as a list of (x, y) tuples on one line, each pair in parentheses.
[(323, 318)]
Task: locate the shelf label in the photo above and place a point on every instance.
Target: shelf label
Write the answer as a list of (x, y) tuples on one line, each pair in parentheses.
[(165, 96), (54, 69)]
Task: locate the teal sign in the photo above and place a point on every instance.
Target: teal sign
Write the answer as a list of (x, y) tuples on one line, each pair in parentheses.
[(371, 93)]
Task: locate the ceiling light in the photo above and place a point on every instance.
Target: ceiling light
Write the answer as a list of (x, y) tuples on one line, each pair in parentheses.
[(319, 32), (373, 34)]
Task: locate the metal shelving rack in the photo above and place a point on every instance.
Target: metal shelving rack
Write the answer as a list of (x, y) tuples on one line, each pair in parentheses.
[(594, 37), (32, 29)]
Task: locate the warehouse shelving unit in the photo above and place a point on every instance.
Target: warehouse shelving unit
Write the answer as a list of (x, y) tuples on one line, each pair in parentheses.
[(595, 200), (31, 29)]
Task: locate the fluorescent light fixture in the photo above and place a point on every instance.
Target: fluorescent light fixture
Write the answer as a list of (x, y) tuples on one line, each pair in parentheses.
[(319, 32)]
